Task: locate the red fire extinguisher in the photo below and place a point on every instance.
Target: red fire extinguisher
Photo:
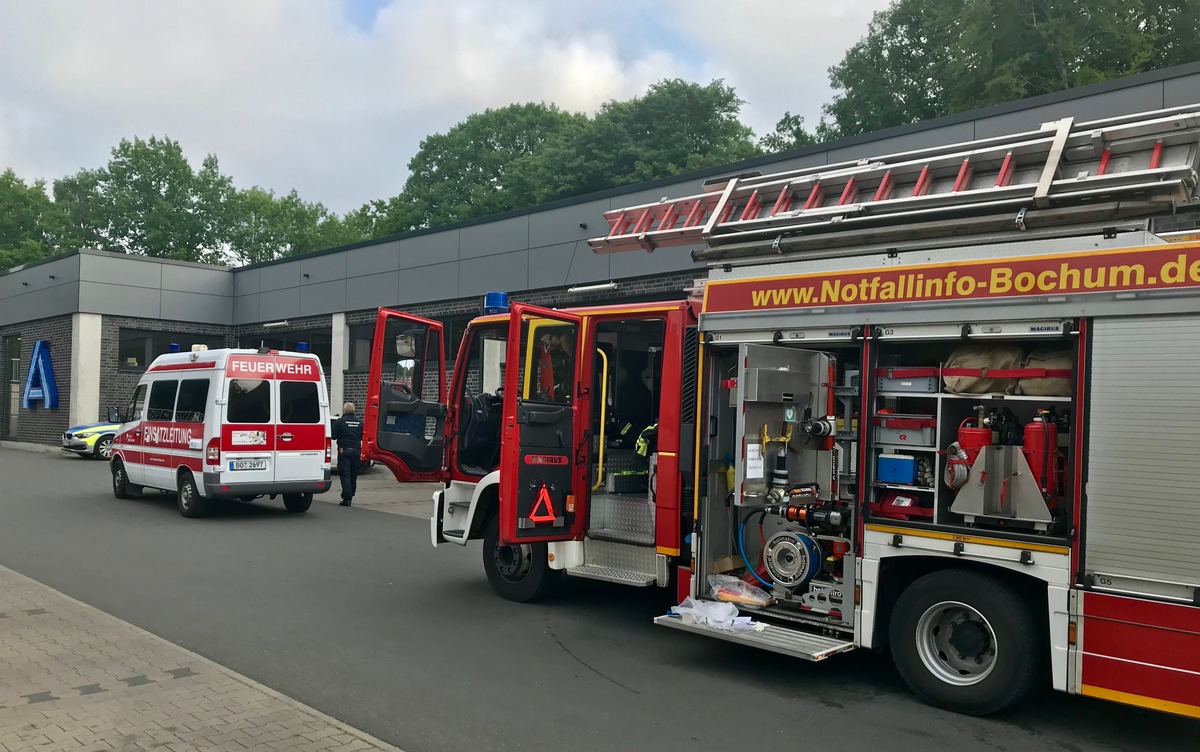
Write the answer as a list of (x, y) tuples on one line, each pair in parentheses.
[(1041, 450)]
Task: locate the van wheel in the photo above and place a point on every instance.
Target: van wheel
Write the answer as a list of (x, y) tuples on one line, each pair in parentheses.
[(966, 642), (190, 502), (297, 503), (122, 489), (517, 573)]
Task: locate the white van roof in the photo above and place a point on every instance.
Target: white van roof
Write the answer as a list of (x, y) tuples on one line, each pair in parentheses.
[(218, 358)]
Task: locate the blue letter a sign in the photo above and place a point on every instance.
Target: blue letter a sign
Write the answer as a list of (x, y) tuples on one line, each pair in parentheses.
[(39, 384)]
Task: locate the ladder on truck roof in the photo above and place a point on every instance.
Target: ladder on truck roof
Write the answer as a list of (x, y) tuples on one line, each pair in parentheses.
[(1132, 166)]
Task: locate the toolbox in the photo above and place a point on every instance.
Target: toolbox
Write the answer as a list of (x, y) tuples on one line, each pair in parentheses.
[(900, 469), (911, 430)]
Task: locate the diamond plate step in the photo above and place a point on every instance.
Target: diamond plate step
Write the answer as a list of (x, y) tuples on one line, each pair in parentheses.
[(608, 574), (622, 536), (809, 647)]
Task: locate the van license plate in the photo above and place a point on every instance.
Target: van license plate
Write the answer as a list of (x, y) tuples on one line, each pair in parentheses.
[(247, 464)]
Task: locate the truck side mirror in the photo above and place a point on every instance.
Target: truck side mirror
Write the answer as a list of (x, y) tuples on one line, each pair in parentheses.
[(114, 415)]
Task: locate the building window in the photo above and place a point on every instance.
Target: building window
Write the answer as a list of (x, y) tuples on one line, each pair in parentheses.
[(454, 329), (137, 348), (360, 346), (319, 342)]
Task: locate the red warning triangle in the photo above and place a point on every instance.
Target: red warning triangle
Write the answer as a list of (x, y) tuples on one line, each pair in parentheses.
[(543, 508)]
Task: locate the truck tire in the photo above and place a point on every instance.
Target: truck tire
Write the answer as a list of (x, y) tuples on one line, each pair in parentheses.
[(517, 573), (297, 503), (122, 489), (966, 642), (191, 504)]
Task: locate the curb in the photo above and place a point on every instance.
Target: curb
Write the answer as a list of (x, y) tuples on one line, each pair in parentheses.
[(343, 727), (27, 447)]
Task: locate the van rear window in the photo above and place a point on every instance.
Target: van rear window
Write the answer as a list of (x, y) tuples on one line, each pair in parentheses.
[(249, 401), (298, 402)]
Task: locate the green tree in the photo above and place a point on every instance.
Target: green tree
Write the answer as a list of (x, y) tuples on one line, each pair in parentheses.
[(262, 226), (462, 173), (789, 134), (677, 126), (31, 225), (922, 59), (149, 200)]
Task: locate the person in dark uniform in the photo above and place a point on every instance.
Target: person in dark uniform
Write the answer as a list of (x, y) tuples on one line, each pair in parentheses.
[(347, 432)]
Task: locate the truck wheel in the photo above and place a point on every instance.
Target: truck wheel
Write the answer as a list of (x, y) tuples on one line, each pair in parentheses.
[(966, 642), (120, 481), (297, 503), (517, 573), (190, 502)]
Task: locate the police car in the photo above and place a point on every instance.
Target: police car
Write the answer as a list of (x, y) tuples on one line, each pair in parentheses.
[(93, 440)]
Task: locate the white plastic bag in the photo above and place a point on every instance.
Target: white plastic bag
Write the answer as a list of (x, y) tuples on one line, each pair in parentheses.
[(732, 590), (716, 615)]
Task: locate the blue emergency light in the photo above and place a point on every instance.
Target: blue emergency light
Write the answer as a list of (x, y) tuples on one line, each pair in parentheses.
[(302, 347), (173, 347), (495, 302)]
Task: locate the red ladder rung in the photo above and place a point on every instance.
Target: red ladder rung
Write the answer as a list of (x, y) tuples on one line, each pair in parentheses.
[(815, 197), (783, 203), (1103, 168), (924, 180), (886, 186), (696, 215), (669, 216), (643, 223), (752, 207), (964, 176), (616, 225), (1156, 155), (849, 193), (1007, 168), (725, 214)]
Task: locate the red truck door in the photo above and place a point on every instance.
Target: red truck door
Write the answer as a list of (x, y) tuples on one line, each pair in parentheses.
[(404, 422), (545, 445)]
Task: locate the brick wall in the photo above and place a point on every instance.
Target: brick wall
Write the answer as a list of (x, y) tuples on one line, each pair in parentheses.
[(251, 335), (117, 385), (40, 425)]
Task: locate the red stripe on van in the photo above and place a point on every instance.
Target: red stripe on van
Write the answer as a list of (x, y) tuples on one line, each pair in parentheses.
[(181, 366)]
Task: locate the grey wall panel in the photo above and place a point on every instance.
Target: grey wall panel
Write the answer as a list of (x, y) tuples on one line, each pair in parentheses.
[(434, 282), (919, 140), (639, 263), (566, 264), (245, 281), (37, 279), (197, 307), (131, 271), (493, 237), (1181, 91), (423, 250), (279, 276), (323, 268), (323, 297), (562, 225), (373, 291), (115, 299), (1112, 104), (278, 305), (503, 272), (373, 259), (208, 281), (40, 304), (245, 309)]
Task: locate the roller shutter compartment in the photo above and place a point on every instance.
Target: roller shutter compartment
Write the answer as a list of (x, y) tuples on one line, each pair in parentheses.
[(1142, 530)]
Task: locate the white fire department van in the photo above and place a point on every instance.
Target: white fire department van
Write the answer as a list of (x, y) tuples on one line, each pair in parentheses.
[(226, 424)]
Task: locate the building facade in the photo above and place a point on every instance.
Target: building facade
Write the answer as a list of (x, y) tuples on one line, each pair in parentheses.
[(104, 317)]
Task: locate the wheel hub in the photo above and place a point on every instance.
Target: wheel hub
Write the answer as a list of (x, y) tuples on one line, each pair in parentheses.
[(956, 643), (512, 561)]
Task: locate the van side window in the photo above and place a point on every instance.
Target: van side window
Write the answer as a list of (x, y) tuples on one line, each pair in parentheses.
[(249, 401), (298, 402), (137, 403), (193, 394), (162, 400)]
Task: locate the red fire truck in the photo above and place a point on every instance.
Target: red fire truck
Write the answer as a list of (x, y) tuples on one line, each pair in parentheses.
[(941, 402)]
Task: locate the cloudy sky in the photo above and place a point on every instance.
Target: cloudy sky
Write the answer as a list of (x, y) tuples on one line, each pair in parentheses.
[(332, 97)]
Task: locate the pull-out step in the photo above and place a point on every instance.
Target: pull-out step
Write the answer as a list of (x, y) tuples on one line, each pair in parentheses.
[(610, 574), (622, 519), (777, 639)]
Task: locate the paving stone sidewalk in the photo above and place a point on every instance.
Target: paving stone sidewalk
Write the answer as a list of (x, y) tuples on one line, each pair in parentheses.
[(75, 678)]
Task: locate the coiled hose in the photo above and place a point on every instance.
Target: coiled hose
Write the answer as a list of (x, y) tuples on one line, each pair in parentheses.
[(957, 467)]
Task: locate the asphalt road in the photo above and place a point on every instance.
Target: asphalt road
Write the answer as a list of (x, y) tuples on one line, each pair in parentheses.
[(351, 611)]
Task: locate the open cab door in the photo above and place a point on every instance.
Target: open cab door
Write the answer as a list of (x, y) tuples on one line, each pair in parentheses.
[(404, 424), (546, 442)]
